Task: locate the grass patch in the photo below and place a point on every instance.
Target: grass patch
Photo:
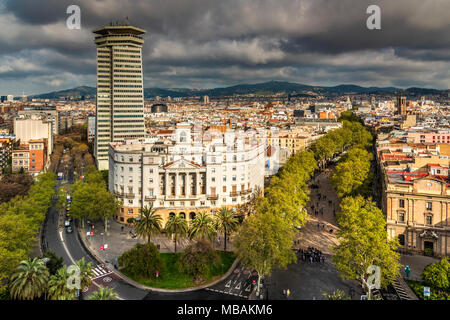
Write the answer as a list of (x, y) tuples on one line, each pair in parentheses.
[(417, 287), (174, 279)]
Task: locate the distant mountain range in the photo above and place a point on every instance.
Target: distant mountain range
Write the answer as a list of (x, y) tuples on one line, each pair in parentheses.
[(266, 88)]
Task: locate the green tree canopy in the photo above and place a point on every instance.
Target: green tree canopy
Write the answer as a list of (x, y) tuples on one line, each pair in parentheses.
[(264, 242), (143, 260), (149, 223), (364, 242), (30, 280), (177, 227), (437, 275)]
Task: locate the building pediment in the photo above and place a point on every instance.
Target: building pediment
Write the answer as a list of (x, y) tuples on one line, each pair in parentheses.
[(428, 184), (429, 234), (181, 164)]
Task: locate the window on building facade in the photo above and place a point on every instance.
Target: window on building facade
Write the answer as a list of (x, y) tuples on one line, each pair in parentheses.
[(130, 211), (429, 220), (401, 217), (429, 206), (401, 239)]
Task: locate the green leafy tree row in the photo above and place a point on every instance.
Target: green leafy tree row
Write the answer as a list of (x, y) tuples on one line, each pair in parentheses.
[(352, 175), (363, 242), (20, 221), (91, 199), (33, 279)]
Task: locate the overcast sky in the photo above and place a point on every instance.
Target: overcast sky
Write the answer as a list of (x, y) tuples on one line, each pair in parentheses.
[(214, 43)]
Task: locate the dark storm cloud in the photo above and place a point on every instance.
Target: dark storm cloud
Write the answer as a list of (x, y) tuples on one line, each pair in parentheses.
[(195, 43)]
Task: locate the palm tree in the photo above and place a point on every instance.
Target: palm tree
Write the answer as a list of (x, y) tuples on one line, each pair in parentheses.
[(202, 227), (149, 224), (226, 222), (86, 273), (57, 286), (30, 280), (176, 226), (103, 294)]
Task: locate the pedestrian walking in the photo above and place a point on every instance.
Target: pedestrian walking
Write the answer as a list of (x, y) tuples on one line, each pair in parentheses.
[(318, 225), (407, 271), (288, 293)]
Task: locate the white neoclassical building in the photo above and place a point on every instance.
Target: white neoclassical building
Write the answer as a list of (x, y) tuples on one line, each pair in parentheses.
[(192, 171)]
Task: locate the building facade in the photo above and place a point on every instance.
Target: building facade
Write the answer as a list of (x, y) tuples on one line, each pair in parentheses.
[(120, 95), (191, 172), (31, 157), (27, 129)]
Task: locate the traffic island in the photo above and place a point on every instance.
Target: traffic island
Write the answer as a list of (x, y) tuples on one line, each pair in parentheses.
[(158, 285)]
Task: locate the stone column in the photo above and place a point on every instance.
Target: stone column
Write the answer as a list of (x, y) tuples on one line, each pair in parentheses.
[(176, 184), (186, 184), (166, 184), (197, 183)]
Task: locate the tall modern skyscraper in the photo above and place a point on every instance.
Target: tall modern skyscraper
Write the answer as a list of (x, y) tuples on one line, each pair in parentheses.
[(120, 92)]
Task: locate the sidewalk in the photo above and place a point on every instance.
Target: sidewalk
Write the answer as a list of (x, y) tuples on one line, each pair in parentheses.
[(119, 239), (417, 263), (320, 237)]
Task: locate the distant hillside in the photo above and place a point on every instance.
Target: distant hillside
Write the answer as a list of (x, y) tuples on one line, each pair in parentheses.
[(265, 88)]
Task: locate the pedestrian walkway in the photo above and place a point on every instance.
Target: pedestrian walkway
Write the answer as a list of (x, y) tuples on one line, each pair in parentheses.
[(100, 271), (321, 228), (239, 284)]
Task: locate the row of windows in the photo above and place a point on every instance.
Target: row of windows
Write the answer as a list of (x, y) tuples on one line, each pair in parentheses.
[(124, 131), (130, 81), (127, 66), (125, 71), (401, 204), (127, 116), (126, 111), (122, 121), (128, 96), (129, 136), (128, 126), (127, 61), (127, 55), (127, 76), (127, 50), (128, 91), (127, 86), (128, 106)]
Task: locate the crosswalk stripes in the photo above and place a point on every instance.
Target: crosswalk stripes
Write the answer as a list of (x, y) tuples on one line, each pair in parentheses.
[(224, 292), (400, 291), (100, 271)]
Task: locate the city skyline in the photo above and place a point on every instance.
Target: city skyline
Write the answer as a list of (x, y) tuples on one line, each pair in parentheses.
[(224, 44)]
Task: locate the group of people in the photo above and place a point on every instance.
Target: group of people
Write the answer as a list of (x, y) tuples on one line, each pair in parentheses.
[(311, 254)]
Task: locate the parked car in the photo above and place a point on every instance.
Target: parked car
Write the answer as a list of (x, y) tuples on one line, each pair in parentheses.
[(69, 229), (67, 223)]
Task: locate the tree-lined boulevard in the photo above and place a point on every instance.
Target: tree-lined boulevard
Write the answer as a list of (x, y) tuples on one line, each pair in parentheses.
[(263, 241)]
